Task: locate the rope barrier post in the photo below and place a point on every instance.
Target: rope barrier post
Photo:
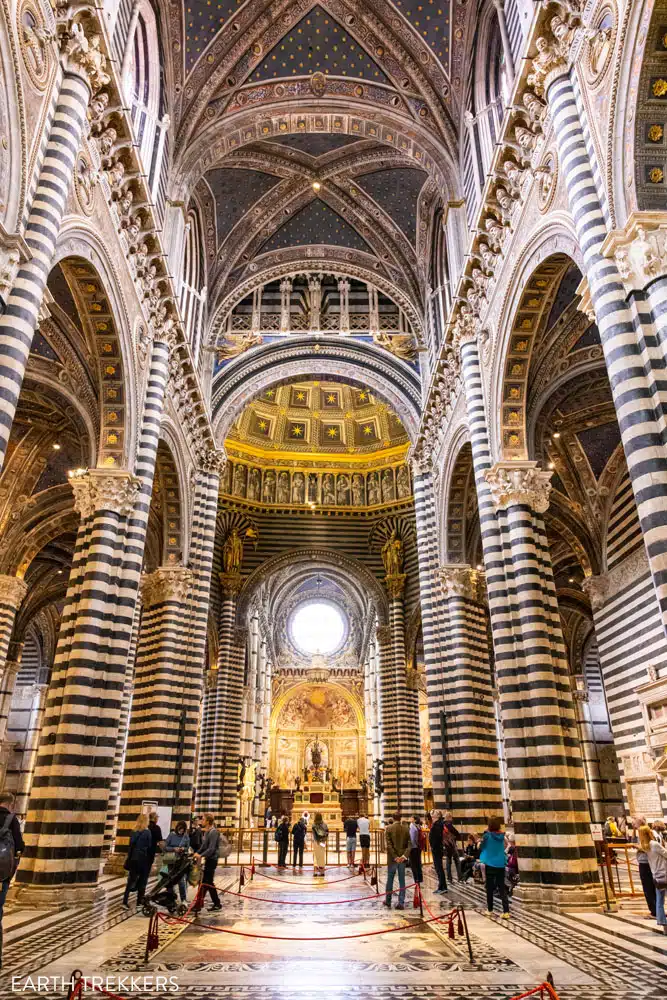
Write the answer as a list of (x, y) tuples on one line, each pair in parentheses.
[(421, 901), (265, 849), (75, 984), (152, 935), (462, 913)]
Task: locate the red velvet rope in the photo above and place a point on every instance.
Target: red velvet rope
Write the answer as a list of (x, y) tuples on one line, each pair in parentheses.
[(308, 885), (318, 902), (539, 989)]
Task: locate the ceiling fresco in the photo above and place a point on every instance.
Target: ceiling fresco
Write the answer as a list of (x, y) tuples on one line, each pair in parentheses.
[(316, 223)]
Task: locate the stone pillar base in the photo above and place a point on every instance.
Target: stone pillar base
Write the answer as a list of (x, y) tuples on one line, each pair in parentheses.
[(53, 897), (556, 897), (114, 862)]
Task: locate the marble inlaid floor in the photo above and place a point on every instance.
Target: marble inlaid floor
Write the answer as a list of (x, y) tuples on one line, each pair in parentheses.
[(591, 956)]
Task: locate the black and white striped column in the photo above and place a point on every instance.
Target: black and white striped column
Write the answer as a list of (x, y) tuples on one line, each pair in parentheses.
[(10, 669), (469, 725), (79, 77), (632, 354), (389, 716), (12, 593), (159, 760), (410, 786)]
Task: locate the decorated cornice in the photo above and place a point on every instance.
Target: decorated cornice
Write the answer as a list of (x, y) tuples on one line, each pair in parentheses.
[(113, 490), (639, 249), (171, 584), (601, 589), (395, 584), (231, 584), (513, 483), (81, 50), (384, 634), (12, 591)]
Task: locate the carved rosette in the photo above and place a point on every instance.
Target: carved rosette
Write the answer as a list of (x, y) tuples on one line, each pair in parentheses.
[(513, 483), (459, 581), (395, 584), (12, 591), (114, 490), (231, 584), (167, 584), (383, 633)]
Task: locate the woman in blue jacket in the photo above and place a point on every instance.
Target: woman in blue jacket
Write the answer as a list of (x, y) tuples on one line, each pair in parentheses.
[(138, 861), (494, 859)]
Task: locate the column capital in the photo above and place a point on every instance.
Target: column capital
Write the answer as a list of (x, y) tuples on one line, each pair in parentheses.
[(395, 584), (466, 329), (383, 633), (513, 483), (639, 249), (231, 584), (212, 459), (114, 490), (12, 591), (597, 589), (82, 55), (459, 580), (166, 583), (240, 636)]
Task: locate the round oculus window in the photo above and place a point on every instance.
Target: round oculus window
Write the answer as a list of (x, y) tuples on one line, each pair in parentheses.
[(317, 627)]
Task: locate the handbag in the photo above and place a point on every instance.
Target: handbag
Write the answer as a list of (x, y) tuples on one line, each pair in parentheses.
[(660, 884)]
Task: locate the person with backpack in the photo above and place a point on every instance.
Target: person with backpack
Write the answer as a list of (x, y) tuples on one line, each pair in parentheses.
[(282, 840), (11, 847), (450, 838), (298, 841), (210, 854), (138, 861)]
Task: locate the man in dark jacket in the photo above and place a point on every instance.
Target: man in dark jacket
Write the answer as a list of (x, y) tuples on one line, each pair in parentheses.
[(282, 839), (437, 849), (451, 837), (196, 835), (156, 836), (6, 810), (209, 854), (298, 841)]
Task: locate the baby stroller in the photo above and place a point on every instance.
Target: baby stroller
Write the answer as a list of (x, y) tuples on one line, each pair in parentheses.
[(164, 892)]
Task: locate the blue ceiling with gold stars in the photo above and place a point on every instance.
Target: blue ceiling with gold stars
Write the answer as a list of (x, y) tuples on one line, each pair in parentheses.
[(315, 223), (235, 192), (316, 144), (397, 192), (318, 43), (203, 20), (431, 19)]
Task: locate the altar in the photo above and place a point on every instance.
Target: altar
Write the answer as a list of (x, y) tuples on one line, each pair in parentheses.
[(318, 796)]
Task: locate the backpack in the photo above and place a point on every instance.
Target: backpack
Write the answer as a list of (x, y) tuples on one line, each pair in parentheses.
[(448, 841), (423, 839), (7, 849)]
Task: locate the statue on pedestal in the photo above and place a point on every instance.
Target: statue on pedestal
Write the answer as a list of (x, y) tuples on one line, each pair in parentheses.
[(232, 552)]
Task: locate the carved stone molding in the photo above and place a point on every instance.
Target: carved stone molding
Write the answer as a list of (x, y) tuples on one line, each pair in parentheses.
[(395, 584), (513, 483), (166, 583), (83, 56), (458, 580), (12, 591), (212, 460), (114, 490), (639, 249), (601, 589), (383, 633), (231, 584)]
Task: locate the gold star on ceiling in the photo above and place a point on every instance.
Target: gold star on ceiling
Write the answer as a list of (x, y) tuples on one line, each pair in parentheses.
[(262, 425), (368, 429), (297, 431), (300, 396), (331, 398), (270, 392), (332, 432), (363, 396)]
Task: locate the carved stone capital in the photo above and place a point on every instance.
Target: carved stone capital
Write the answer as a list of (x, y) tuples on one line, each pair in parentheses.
[(12, 591), (83, 56), (166, 583), (114, 490), (231, 584), (459, 581), (639, 249), (240, 636), (212, 460), (585, 305), (597, 589), (383, 633), (395, 584), (513, 483)]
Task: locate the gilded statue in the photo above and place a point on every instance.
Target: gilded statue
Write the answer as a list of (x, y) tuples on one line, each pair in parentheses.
[(392, 555), (232, 552)]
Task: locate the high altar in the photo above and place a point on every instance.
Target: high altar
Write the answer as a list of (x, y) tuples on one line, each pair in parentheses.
[(318, 796)]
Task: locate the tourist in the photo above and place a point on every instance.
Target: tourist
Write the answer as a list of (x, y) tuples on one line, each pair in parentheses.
[(268, 818), (416, 845), (610, 830), (364, 825), (493, 857), (177, 844), (138, 861), (435, 839), (471, 855), (320, 833), (196, 835), (156, 836), (657, 859), (659, 832), (645, 873), (11, 846), (397, 838), (282, 839), (210, 853), (450, 838), (351, 826), (622, 825), (298, 841)]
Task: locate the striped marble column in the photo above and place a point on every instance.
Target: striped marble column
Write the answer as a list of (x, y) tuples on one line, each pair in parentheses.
[(80, 75), (389, 717), (10, 669), (12, 593), (410, 787), (231, 747), (159, 760), (589, 749), (30, 748), (544, 768), (121, 739), (470, 750), (633, 356)]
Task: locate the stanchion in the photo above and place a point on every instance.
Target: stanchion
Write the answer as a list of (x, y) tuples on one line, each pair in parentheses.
[(462, 920), (417, 900), (152, 935), (265, 849)]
